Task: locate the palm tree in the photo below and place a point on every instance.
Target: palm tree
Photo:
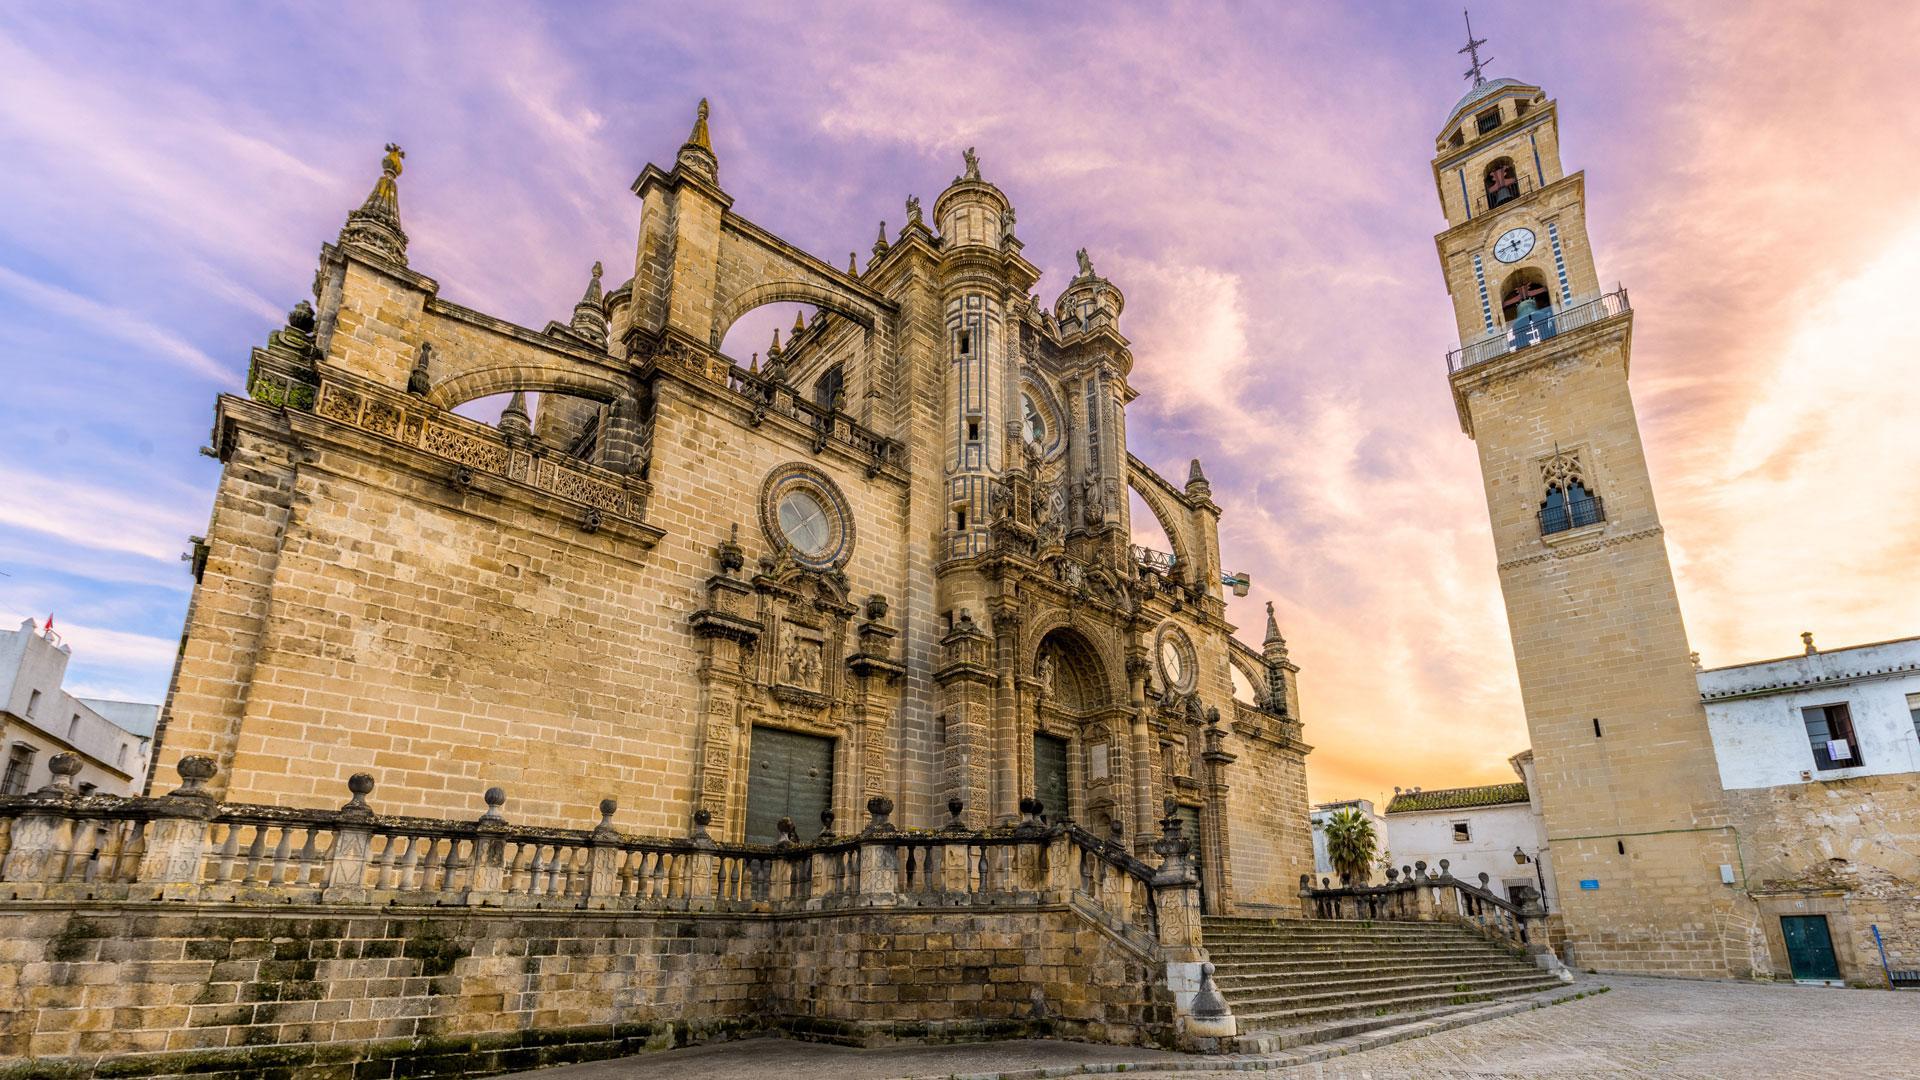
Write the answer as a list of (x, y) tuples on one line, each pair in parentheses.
[(1350, 844)]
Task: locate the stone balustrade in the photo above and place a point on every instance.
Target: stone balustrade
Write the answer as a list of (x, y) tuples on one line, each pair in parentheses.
[(1417, 893), (59, 844), (820, 937)]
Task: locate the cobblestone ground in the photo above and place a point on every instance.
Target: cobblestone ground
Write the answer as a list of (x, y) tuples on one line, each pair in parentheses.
[(1642, 1028), (1663, 1028)]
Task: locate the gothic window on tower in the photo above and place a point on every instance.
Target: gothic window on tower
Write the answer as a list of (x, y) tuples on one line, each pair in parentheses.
[(1569, 502), (1502, 182), (1527, 307)]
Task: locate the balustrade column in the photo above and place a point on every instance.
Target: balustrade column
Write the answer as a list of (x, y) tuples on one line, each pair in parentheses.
[(177, 835), (603, 858), (488, 883), (702, 864), (879, 856), (345, 880)]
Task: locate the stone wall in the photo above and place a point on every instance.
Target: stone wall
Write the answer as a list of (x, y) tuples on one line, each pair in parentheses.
[(1847, 849), (144, 989)]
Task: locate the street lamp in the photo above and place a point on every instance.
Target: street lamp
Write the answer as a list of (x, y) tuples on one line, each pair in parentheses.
[(1523, 859)]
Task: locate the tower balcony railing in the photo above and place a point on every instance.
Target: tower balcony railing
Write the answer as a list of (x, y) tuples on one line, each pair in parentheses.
[(1538, 327), (1562, 515)]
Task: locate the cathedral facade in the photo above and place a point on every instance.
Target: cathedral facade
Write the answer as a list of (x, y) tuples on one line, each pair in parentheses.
[(893, 558)]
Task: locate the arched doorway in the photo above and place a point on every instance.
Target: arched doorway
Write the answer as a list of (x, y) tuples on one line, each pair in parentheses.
[(1073, 755)]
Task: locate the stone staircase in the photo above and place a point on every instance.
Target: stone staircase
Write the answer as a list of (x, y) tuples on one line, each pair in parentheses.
[(1292, 982)]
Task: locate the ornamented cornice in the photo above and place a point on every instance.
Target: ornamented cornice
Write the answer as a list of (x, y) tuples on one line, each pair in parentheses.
[(1583, 549)]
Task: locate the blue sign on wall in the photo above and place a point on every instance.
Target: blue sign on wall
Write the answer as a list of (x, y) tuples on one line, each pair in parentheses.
[(1589, 883)]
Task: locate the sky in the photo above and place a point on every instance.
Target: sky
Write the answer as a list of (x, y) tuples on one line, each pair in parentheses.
[(1256, 178)]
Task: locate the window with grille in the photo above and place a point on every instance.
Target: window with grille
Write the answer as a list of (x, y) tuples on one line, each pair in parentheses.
[(1831, 737), (19, 762)]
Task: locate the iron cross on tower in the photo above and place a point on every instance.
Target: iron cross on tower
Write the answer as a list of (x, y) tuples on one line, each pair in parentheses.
[(1473, 50)]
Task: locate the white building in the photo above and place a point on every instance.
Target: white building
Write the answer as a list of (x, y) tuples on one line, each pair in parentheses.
[(1823, 716), (38, 720), (1495, 830), (1322, 865)]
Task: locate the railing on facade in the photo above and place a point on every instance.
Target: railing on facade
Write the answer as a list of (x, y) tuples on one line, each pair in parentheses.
[(1572, 514), (827, 423), (1418, 894), (1539, 327), (59, 844), (1161, 561)]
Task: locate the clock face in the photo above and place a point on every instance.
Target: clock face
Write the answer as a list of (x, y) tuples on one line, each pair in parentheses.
[(1513, 245)]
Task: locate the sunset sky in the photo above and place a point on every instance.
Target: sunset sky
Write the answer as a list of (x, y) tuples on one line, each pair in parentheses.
[(1258, 183)]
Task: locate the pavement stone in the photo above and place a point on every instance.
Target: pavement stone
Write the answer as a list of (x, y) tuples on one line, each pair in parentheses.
[(1640, 1027)]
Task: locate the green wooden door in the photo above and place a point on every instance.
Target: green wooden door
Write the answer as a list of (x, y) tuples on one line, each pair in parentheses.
[(1050, 775), (1190, 828), (791, 776), (1809, 947)]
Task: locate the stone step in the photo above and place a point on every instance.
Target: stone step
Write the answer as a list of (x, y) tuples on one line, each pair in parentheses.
[(1274, 1040), (1238, 979), (1263, 995), (1293, 1014), (1411, 956), (1330, 930)]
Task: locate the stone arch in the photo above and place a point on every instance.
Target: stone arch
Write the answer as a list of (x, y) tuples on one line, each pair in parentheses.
[(729, 310), (1251, 667), (1080, 682), (1100, 649), (1171, 515), (478, 382)]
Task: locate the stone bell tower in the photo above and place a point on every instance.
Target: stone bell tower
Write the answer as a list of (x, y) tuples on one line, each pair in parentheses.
[(1641, 841)]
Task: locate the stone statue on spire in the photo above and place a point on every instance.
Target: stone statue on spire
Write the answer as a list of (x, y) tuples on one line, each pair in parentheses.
[(973, 163)]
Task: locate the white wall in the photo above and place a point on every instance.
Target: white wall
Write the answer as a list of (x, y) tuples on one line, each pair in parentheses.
[(1760, 738), (113, 759), (1495, 831)]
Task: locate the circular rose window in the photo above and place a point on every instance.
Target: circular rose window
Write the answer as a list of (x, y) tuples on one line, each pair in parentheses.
[(1176, 659), (805, 515), (804, 521)]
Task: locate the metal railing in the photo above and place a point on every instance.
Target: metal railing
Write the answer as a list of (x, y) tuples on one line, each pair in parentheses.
[(1539, 327), (1572, 514), (1162, 561)]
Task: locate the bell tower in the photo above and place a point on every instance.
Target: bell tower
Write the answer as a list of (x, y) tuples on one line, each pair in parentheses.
[(1646, 858)]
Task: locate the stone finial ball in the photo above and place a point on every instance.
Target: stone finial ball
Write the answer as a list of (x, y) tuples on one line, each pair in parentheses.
[(955, 805), (880, 805), (196, 768), (608, 807), (1208, 970), (64, 764), (360, 783), (703, 817), (496, 796), (826, 817)]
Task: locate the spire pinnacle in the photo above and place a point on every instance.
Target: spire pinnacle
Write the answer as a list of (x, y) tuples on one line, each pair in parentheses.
[(1273, 628), (375, 228), (799, 326), (698, 136), (514, 421), (773, 350), (1473, 50), (589, 315), (880, 243), (696, 154)]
